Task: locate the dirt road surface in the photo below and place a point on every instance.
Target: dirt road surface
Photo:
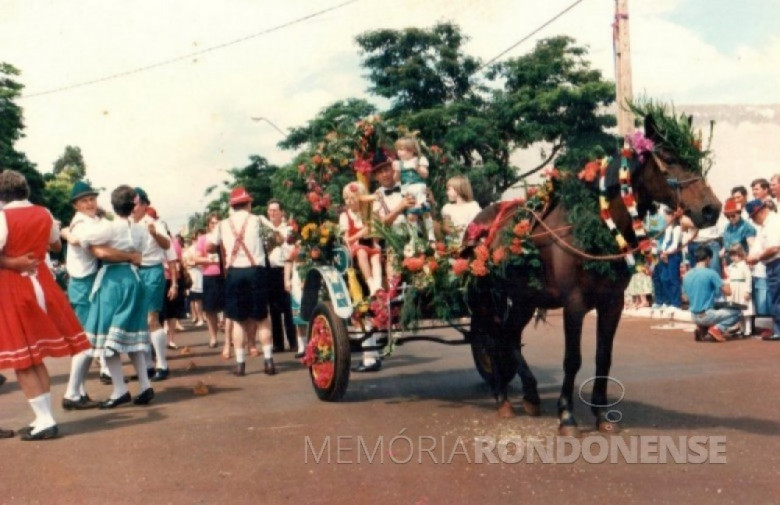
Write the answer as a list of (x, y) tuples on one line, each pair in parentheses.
[(410, 433)]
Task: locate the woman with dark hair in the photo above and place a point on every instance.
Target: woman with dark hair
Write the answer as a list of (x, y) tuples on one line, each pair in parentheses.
[(36, 320), (117, 321)]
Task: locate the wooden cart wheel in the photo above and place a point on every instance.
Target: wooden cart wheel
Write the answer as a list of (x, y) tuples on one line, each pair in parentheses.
[(329, 340)]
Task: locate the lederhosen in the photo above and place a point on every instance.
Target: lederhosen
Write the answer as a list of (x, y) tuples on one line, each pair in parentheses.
[(246, 294)]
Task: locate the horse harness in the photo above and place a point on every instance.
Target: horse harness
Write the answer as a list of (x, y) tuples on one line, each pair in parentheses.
[(673, 182)]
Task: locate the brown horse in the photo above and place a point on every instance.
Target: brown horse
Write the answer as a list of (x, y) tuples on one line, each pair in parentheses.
[(497, 323)]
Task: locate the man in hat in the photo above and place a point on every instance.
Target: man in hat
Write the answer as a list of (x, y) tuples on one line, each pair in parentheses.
[(246, 283), (738, 230), (82, 266), (152, 273), (767, 253)]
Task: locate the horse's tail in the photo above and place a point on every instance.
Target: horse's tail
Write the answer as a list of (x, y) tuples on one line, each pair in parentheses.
[(540, 315)]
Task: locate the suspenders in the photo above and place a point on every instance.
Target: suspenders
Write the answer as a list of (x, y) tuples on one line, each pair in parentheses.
[(239, 244)]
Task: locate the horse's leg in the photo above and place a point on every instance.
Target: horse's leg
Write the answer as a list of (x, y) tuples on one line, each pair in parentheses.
[(573, 315), (609, 312), (519, 317)]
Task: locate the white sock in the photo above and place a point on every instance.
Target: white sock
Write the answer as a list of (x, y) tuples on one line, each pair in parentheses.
[(160, 343), (41, 405), (268, 351), (103, 368), (139, 363), (79, 366), (369, 357), (240, 355), (301, 344), (114, 364)]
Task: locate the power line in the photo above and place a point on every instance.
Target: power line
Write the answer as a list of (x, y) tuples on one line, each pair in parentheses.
[(190, 55), (543, 26)]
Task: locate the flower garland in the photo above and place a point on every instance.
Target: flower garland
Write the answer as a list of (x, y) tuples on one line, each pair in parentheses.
[(319, 353), (627, 195)]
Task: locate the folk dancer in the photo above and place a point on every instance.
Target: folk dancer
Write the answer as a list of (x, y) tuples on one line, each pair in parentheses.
[(36, 320), (246, 283)]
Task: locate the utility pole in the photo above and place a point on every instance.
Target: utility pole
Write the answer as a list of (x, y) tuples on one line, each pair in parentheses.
[(622, 48)]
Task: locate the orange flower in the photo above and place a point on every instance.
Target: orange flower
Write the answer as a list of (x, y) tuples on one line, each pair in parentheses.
[(432, 265), (516, 246), (414, 264), (522, 228), (459, 266), (499, 255), (478, 268), (317, 159), (481, 252), (590, 172)]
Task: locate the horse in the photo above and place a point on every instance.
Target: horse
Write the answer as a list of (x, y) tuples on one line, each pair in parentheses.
[(661, 177)]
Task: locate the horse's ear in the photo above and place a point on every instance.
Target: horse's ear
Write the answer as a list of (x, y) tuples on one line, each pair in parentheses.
[(651, 130), (690, 121)]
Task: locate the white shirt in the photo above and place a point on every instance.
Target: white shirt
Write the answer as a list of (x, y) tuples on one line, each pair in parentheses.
[(121, 234), (278, 254), (671, 240), (54, 234), (80, 262), (769, 235), (384, 205), (153, 254), (223, 234), (460, 214)]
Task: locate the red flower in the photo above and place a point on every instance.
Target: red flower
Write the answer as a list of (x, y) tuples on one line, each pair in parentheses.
[(522, 228), (499, 255), (475, 231), (362, 166), (590, 172), (516, 247), (459, 266), (414, 264), (325, 201), (441, 247), (479, 268), (532, 191), (627, 153), (432, 265), (482, 253), (317, 159), (313, 197)]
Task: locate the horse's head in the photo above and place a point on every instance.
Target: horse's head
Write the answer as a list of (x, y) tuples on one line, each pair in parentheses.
[(676, 179)]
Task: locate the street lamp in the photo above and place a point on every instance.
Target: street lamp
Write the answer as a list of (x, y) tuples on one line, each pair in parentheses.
[(259, 118)]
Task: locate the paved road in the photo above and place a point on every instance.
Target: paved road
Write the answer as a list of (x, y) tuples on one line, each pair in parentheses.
[(246, 441)]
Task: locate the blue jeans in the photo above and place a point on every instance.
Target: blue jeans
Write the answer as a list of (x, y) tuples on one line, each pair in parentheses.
[(760, 299), (671, 284), (721, 318), (773, 292)]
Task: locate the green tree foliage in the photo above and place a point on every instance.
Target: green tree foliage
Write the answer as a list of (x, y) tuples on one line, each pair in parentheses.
[(255, 177), (69, 168), (11, 130), (327, 120)]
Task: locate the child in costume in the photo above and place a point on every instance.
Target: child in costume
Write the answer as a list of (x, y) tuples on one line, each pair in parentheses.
[(411, 170)]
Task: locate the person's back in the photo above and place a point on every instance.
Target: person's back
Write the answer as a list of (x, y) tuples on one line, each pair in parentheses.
[(702, 286)]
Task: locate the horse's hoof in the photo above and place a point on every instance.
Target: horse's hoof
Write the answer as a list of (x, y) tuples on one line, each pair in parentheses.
[(569, 431), (532, 409), (505, 411), (608, 427)]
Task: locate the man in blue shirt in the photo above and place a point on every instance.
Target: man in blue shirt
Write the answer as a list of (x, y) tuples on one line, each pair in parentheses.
[(703, 286)]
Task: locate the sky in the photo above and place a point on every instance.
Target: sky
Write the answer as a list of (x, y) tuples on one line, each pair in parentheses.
[(175, 129)]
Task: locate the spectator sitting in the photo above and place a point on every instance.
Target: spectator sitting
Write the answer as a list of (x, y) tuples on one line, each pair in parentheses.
[(703, 286)]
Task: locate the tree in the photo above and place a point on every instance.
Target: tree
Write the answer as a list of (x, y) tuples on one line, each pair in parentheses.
[(71, 163), (328, 120), (69, 168), (255, 177), (11, 130)]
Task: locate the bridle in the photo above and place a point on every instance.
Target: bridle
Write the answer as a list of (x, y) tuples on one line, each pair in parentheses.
[(676, 184)]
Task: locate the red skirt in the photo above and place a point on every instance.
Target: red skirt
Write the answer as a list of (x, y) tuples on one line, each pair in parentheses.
[(28, 334)]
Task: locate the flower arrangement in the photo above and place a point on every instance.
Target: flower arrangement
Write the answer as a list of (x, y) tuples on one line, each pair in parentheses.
[(319, 353)]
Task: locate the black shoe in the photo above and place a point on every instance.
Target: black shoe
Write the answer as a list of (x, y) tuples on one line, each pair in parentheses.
[(145, 397), (83, 403), (2, 379), (240, 370), (270, 368), (6, 433), (115, 402), (47, 434), (151, 372), (375, 367), (160, 375), (105, 379)]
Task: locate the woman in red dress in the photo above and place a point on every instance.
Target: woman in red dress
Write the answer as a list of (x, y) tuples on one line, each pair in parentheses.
[(36, 320)]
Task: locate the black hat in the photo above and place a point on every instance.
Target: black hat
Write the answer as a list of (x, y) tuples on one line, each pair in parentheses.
[(380, 160), (80, 190)]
